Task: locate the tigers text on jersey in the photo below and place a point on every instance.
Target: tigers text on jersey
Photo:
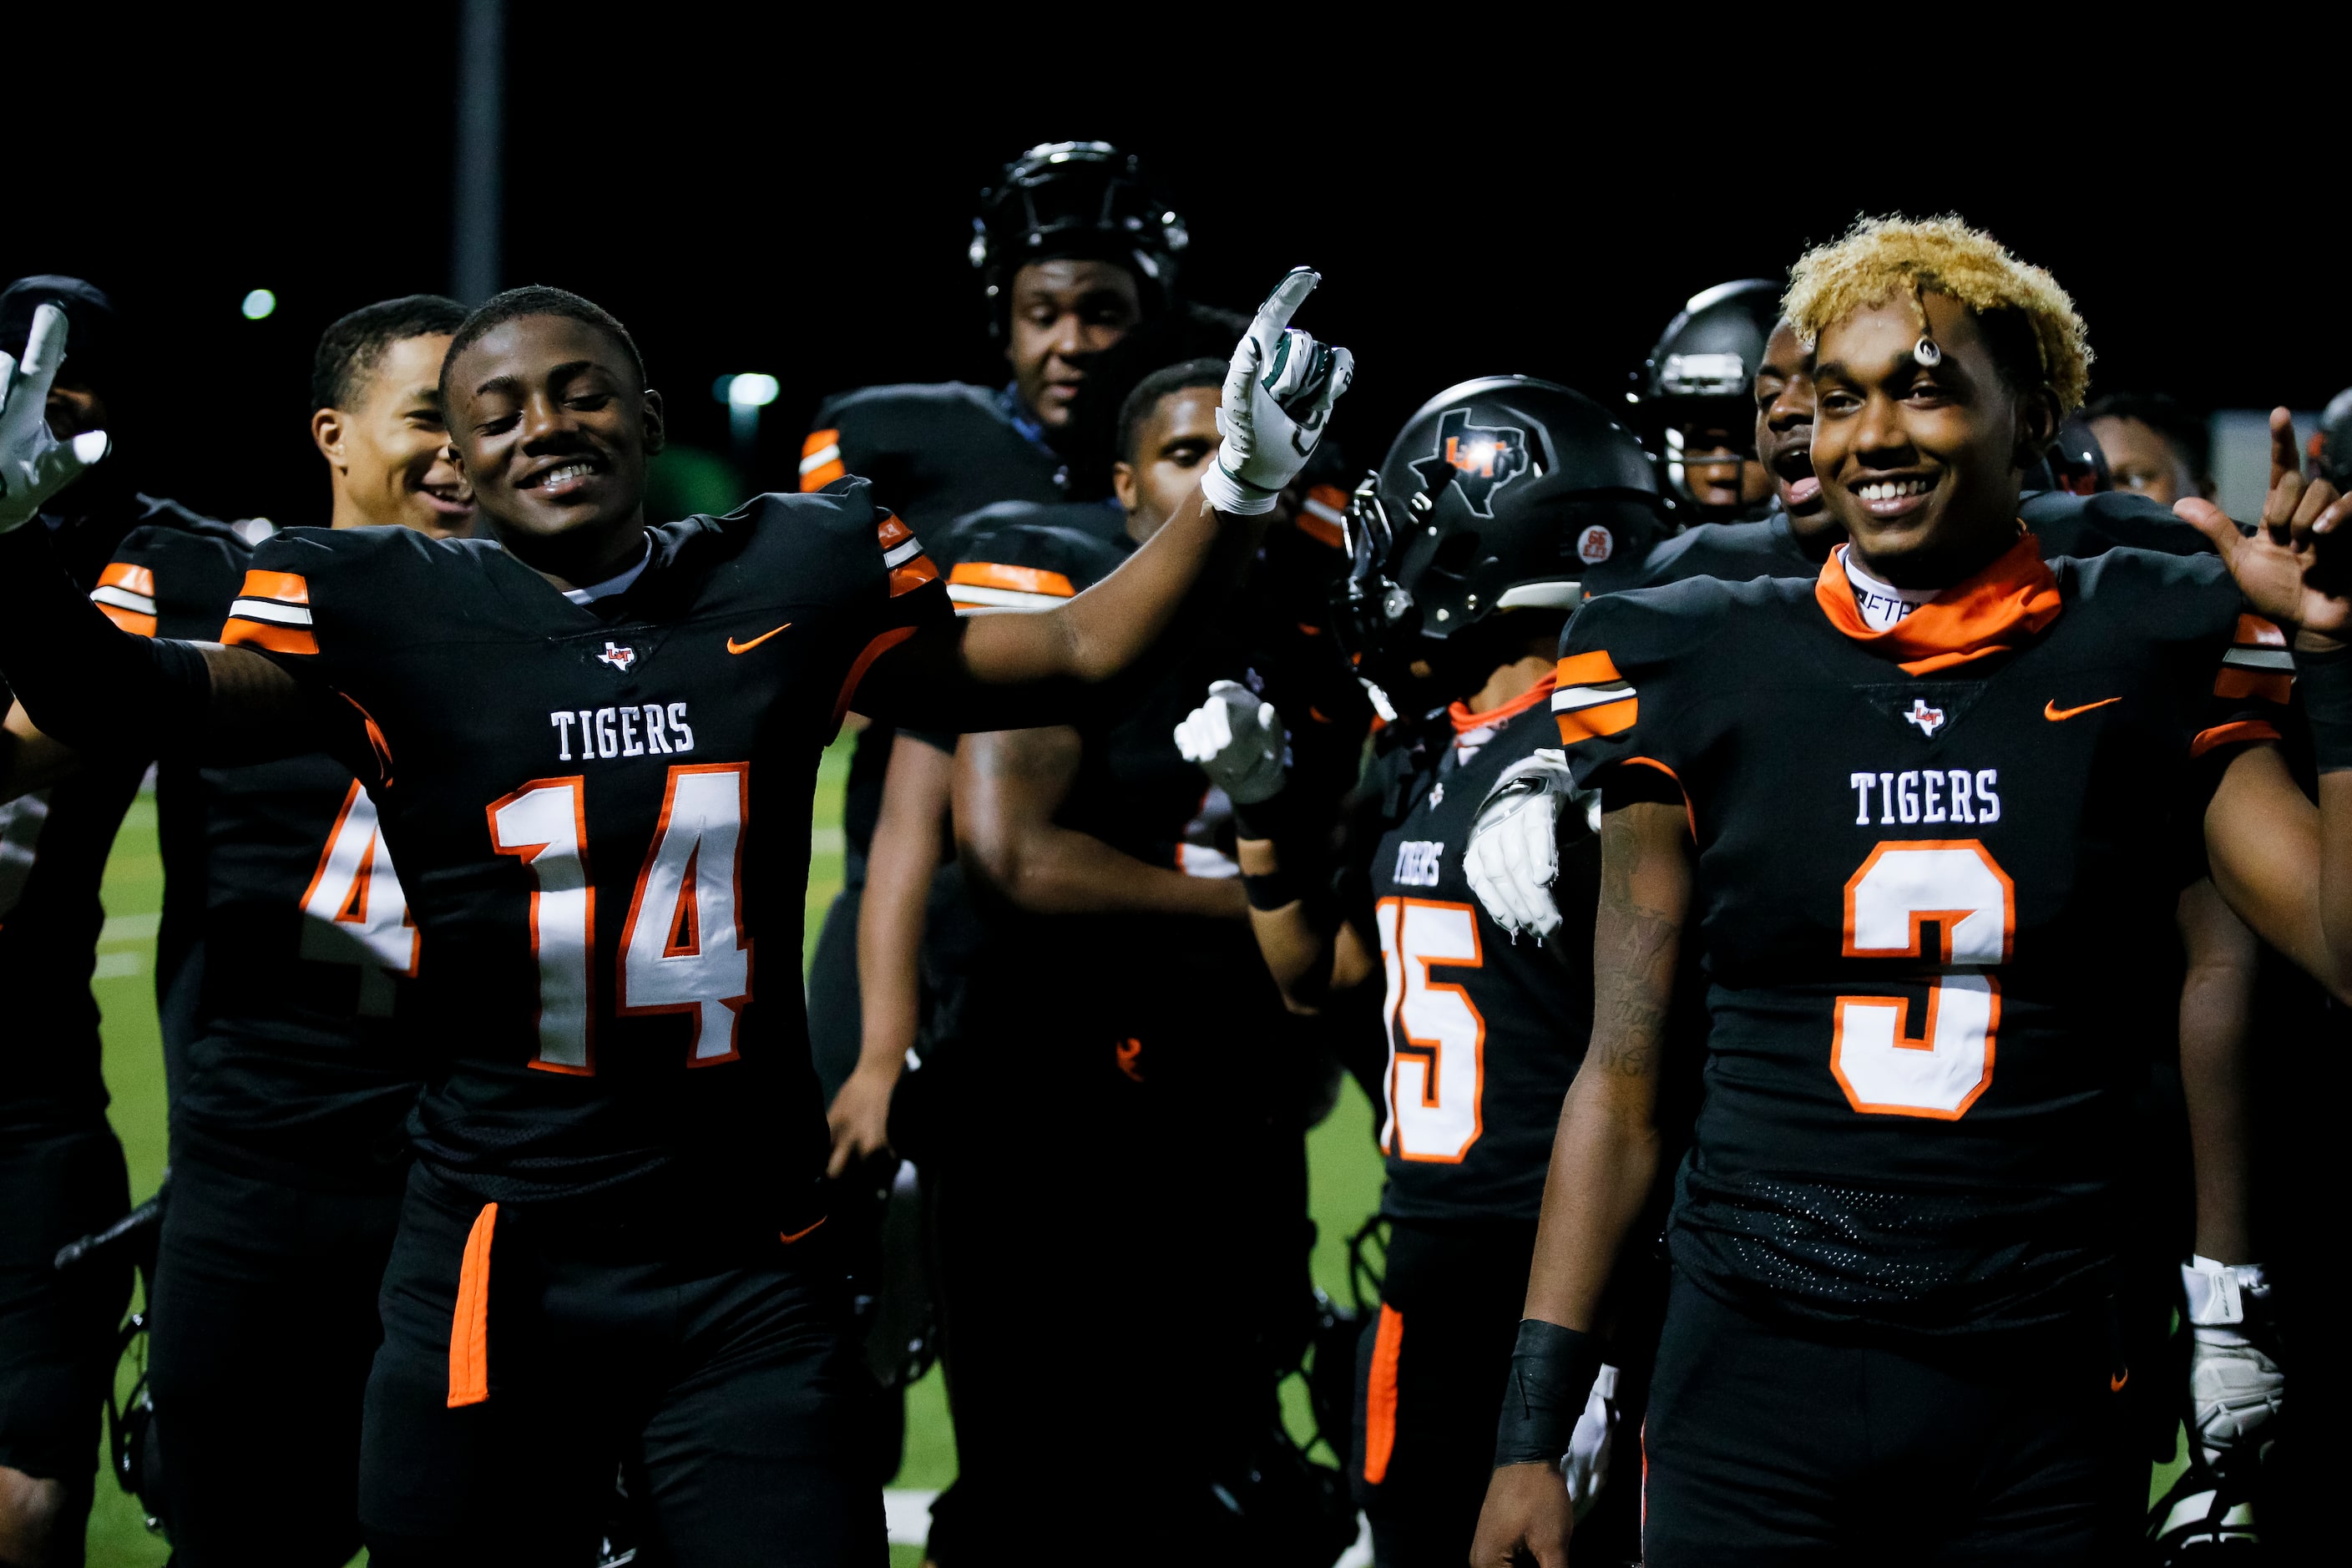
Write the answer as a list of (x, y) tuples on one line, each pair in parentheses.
[(1935, 876), (286, 937), (1484, 1034), (608, 979)]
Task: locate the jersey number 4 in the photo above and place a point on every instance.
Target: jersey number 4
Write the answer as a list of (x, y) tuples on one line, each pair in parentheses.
[(682, 945), (1956, 885), (353, 910), (1437, 1039)]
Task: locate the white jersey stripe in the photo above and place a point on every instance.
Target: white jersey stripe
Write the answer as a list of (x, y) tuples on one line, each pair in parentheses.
[(270, 610)]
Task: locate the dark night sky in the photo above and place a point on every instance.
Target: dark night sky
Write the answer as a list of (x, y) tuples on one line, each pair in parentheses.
[(744, 210)]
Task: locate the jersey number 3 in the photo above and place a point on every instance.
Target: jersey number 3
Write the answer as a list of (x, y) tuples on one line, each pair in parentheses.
[(1437, 1040), (682, 945), (1885, 1067)]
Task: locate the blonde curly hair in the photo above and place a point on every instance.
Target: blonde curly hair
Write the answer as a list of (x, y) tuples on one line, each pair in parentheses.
[(1880, 258)]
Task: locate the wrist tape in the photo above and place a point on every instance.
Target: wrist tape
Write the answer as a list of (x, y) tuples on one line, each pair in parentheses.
[(1552, 1369), (2324, 681)]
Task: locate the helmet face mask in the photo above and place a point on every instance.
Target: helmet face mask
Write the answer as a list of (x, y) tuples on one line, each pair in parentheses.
[(1078, 200), (1699, 381), (1503, 494)]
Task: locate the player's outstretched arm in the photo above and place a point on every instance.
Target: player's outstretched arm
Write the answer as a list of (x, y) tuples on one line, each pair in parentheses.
[(908, 836), (997, 672), (1604, 1161), (2284, 866)]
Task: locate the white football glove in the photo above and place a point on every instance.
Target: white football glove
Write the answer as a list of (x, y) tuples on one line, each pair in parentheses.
[(1237, 741), (1586, 1466), (34, 463), (1278, 392), (1514, 853), (2234, 1388)]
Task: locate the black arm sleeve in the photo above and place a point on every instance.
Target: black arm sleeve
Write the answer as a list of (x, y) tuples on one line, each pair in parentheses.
[(99, 689)]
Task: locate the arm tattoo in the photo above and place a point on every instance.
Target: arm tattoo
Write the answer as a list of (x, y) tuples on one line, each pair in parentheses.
[(1634, 950)]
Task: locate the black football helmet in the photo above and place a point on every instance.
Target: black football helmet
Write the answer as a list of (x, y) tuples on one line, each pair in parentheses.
[(1702, 374), (2078, 464), (1084, 199), (1500, 494), (2331, 443)]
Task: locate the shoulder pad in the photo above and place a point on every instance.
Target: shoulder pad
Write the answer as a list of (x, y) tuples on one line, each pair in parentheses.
[(2172, 598), (910, 402)]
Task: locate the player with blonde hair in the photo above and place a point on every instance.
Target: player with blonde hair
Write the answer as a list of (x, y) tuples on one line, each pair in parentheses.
[(1923, 821)]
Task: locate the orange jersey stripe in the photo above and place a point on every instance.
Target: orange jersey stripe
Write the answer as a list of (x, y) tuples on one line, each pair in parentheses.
[(912, 576), (817, 478), (285, 587), (2255, 632), (275, 639), (2270, 686), (864, 661), (1020, 579), (1586, 670), (2244, 731), (1380, 1396), (1601, 718), (892, 533), (130, 621), (131, 578), (469, 1325), (818, 440)]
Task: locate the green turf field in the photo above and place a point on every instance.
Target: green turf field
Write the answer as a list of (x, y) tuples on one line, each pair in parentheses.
[(1346, 1170)]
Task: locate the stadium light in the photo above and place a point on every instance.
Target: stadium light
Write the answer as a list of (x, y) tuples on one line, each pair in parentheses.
[(745, 396), (258, 304)]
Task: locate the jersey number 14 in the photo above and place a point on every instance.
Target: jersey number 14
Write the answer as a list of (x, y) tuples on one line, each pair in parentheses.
[(682, 943)]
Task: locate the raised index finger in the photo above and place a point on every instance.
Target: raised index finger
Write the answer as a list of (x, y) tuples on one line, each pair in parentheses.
[(2284, 457), (27, 393), (1282, 304)]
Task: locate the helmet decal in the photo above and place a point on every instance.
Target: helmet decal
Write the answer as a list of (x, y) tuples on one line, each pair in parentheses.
[(1483, 460), (1595, 545)]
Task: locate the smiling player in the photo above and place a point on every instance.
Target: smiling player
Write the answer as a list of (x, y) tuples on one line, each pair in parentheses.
[(1940, 798), (589, 746)]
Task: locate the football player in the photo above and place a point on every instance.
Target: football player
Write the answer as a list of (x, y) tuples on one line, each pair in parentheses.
[(1100, 846), (1928, 802), (1797, 531), (287, 942), (1518, 498), (1692, 395), (284, 931), (61, 1167), (1075, 246), (2154, 447), (613, 1240)]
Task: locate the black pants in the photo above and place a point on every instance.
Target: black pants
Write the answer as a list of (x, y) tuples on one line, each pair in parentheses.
[(1429, 1381), (710, 1361), (58, 1330), (263, 1328), (1114, 1268), (1766, 1445)]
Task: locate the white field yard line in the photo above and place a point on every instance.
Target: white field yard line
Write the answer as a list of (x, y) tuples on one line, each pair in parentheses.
[(909, 1513)]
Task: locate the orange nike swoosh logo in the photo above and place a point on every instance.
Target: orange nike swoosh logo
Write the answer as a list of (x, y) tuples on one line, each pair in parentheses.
[(2050, 710), (734, 646), (781, 1236), (2116, 1380)]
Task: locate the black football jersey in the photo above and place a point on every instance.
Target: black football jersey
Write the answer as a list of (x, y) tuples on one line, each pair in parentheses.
[(599, 813), (2084, 526), (1934, 899), (286, 937), (1484, 1034), (54, 845), (1734, 551), (934, 453)]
